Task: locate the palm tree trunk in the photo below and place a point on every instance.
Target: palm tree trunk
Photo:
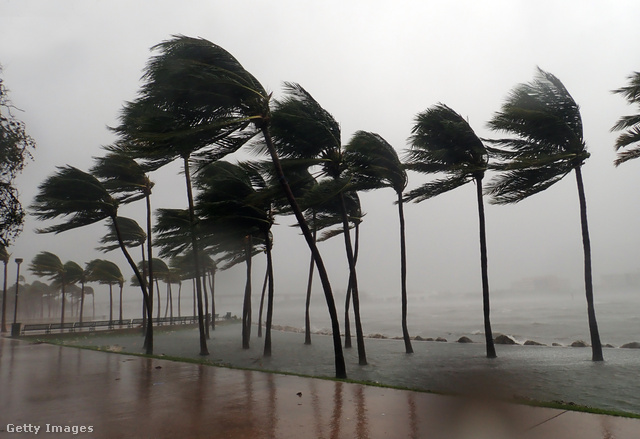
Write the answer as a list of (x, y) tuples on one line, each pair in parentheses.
[(403, 276), (491, 349), (212, 286), (196, 260), (148, 342), (264, 291), (246, 307), (179, 299), (307, 306), (341, 370), (158, 297), (347, 323), (596, 345), (362, 355), (110, 303), (267, 329), (62, 312), (4, 300), (81, 302), (149, 298), (205, 293), (120, 314)]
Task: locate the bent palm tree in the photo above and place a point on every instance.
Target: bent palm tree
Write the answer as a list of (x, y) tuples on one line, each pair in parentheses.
[(548, 144), (631, 137), (47, 264), (198, 94), (443, 142), (106, 273), (80, 199), (374, 163)]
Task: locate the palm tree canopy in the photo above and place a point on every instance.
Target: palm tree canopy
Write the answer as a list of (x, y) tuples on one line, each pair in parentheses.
[(4, 254), (547, 140), (46, 264), (160, 268), (123, 176), (76, 196), (302, 129), (196, 94), (374, 163), (104, 272), (132, 235), (74, 273), (442, 141), (631, 124)]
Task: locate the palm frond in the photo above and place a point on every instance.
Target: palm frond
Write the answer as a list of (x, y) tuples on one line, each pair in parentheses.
[(435, 188)]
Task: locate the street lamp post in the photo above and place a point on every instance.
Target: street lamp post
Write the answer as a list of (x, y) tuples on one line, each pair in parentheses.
[(15, 328)]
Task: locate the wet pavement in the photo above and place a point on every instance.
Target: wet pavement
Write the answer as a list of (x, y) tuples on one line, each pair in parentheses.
[(69, 392)]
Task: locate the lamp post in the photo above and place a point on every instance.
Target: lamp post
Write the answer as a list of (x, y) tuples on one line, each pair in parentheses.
[(15, 328)]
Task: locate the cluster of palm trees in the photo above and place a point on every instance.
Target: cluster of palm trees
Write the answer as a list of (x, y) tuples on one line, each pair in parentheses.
[(198, 104)]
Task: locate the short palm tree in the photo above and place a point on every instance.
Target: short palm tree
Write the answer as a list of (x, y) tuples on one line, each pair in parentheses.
[(47, 264), (442, 142), (547, 143), (81, 199), (630, 138), (4, 257), (374, 164), (75, 274), (106, 273)]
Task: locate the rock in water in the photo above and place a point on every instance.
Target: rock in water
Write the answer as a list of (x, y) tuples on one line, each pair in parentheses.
[(504, 339), (533, 343), (464, 339), (579, 344), (632, 345)]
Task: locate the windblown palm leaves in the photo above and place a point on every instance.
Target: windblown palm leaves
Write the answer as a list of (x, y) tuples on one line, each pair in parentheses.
[(80, 199), (374, 164), (302, 129), (546, 144), (442, 142), (49, 265), (629, 139), (106, 273)]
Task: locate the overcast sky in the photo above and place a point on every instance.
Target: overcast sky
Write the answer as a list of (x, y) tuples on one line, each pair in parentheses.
[(374, 65)]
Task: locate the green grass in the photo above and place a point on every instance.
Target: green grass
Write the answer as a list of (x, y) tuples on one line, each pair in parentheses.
[(560, 405)]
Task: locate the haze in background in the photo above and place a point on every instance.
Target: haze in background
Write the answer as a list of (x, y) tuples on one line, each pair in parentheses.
[(374, 65)]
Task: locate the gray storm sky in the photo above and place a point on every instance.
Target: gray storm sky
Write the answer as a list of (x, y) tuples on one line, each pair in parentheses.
[(374, 65)]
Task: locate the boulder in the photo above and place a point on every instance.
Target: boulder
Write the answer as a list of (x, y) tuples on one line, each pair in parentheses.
[(504, 339), (377, 336), (464, 339), (632, 345), (556, 344), (533, 343), (444, 340), (418, 338), (579, 344)]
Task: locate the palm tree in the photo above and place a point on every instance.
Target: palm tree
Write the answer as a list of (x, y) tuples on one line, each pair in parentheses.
[(4, 257), (547, 144), (232, 203), (80, 199), (127, 180), (374, 163), (75, 274), (197, 94), (304, 130), (47, 264), (630, 138), (442, 142), (106, 273)]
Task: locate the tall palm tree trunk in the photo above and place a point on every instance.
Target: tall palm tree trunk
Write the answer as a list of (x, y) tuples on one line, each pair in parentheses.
[(205, 294), (403, 276), (212, 287), (362, 355), (120, 310), (341, 370), (149, 297), (81, 302), (307, 306), (347, 322), (267, 329), (596, 345), (148, 342), (488, 335), (262, 294), (62, 311), (246, 307), (196, 260), (110, 303)]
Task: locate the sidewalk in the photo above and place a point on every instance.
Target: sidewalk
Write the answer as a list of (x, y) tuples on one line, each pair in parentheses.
[(103, 395)]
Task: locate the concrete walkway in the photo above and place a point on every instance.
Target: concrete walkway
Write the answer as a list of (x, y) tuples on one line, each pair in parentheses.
[(45, 388)]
